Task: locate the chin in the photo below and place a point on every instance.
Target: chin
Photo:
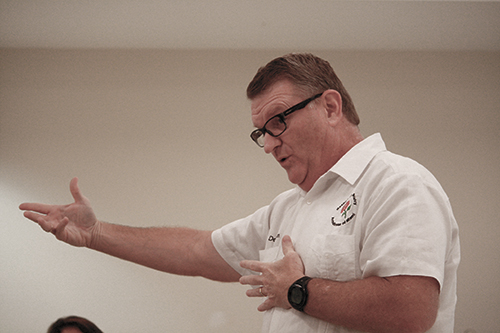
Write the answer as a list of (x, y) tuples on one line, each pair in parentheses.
[(295, 179)]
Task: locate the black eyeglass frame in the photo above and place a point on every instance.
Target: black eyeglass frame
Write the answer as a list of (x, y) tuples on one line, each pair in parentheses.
[(256, 134)]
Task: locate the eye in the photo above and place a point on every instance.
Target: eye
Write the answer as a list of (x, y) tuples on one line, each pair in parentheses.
[(275, 123)]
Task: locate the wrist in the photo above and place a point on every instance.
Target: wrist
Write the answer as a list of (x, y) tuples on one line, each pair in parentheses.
[(298, 293), (95, 235)]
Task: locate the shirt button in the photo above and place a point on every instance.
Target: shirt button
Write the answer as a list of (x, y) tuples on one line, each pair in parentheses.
[(309, 202)]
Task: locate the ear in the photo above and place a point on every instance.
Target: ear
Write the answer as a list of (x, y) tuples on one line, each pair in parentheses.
[(332, 101)]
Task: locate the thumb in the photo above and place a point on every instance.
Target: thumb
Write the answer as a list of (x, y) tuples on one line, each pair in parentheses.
[(75, 190), (287, 245)]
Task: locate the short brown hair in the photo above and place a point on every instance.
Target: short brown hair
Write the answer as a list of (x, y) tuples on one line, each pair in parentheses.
[(309, 73)]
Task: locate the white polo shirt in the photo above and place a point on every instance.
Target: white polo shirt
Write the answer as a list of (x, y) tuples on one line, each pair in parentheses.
[(374, 213)]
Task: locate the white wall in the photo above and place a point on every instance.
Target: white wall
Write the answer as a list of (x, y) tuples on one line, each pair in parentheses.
[(161, 138)]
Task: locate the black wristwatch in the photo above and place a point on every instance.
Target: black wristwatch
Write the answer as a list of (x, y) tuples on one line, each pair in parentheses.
[(297, 293)]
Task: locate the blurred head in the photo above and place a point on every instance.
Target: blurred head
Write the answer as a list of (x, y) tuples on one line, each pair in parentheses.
[(73, 324)]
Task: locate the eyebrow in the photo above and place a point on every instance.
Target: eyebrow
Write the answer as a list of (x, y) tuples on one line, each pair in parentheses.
[(276, 110)]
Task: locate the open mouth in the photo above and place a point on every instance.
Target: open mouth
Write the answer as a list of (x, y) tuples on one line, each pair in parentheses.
[(282, 159)]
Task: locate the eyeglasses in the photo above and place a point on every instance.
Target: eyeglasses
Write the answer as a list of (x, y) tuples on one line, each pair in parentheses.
[(276, 125)]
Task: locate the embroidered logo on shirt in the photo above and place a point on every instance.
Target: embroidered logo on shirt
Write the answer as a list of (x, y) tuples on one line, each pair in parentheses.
[(346, 211), (272, 238)]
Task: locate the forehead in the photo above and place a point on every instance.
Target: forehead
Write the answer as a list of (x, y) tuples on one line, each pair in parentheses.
[(280, 96)]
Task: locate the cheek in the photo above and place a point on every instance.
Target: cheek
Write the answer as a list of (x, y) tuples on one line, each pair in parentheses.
[(309, 139), (304, 153)]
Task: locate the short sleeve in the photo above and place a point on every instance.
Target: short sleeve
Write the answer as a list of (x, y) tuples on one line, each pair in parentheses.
[(242, 239), (408, 229)]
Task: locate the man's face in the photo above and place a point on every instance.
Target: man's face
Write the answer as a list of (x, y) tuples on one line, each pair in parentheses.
[(299, 150)]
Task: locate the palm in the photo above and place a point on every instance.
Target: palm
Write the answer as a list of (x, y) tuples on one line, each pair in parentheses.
[(71, 223)]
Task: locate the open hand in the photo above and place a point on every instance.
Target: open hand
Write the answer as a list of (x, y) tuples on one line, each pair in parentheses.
[(275, 278), (73, 223)]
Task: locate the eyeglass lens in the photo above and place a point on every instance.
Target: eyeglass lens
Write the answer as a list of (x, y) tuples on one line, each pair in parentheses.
[(276, 125)]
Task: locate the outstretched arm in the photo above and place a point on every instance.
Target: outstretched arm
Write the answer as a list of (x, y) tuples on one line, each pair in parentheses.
[(174, 250)]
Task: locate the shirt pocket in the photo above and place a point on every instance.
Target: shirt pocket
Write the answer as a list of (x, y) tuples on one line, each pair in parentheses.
[(271, 254), (332, 257)]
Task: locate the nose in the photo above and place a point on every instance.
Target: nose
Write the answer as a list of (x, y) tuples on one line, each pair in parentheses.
[(270, 143)]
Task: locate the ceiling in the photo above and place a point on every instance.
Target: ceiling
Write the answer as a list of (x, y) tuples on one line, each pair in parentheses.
[(247, 24)]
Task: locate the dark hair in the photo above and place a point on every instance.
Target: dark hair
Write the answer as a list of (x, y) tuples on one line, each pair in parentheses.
[(84, 325), (310, 74)]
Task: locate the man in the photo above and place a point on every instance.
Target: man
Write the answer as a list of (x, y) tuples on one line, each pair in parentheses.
[(366, 241)]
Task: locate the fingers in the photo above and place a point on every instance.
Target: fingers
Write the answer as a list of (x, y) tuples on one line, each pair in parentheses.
[(35, 217), (256, 266), (254, 280), (47, 225), (60, 228), (75, 190), (256, 292), (50, 226), (45, 209), (44, 225), (252, 265), (268, 304), (35, 207)]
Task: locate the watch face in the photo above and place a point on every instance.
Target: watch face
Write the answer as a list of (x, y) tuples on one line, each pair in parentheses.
[(296, 295)]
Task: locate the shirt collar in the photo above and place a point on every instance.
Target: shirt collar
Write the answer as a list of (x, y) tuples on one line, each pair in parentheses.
[(352, 164)]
